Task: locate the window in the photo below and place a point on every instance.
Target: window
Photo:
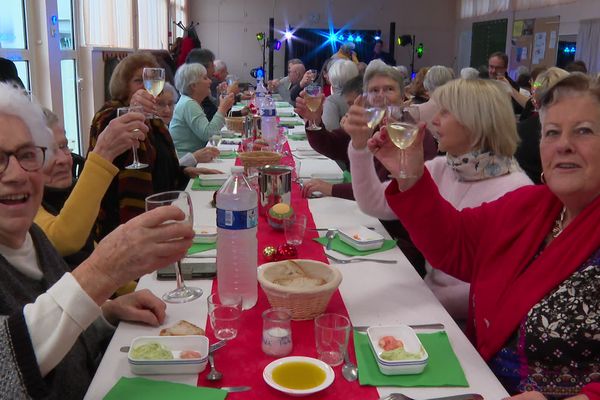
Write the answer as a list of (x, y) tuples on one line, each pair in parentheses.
[(527, 4), (12, 25), (153, 24), (107, 23), (475, 8)]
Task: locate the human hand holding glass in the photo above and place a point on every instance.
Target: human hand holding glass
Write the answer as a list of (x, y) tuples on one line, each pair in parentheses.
[(181, 200), (136, 164), (154, 81), (402, 130), (313, 98)]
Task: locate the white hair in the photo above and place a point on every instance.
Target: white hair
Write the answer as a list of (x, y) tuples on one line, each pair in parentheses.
[(340, 72), (170, 88), (186, 75), (436, 76), (379, 68), (220, 65), (469, 73), (16, 103)]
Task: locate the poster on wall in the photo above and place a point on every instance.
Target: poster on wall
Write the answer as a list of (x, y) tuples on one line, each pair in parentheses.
[(521, 54), (552, 43), (539, 48)]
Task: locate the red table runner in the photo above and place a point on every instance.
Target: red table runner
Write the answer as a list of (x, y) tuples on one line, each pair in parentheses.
[(242, 360)]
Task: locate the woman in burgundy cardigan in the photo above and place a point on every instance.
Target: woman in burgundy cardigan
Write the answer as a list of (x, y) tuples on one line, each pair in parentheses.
[(532, 257)]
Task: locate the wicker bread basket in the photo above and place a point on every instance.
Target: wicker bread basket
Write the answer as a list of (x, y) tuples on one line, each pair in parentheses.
[(234, 124), (304, 303), (255, 159)]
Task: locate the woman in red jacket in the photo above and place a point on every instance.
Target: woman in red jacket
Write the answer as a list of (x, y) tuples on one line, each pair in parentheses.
[(532, 257)]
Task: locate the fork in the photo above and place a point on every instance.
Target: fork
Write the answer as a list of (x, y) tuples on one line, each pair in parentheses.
[(359, 259), (469, 396)]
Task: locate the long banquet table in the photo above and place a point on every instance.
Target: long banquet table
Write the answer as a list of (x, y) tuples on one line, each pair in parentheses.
[(373, 294)]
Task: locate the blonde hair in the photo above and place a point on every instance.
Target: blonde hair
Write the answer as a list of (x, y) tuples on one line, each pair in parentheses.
[(119, 81), (546, 79), (574, 84), (484, 109)]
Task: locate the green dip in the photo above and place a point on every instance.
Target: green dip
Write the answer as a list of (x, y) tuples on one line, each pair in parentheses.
[(151, 351), (400, 354)]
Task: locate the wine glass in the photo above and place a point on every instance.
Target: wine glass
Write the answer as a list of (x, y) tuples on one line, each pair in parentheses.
[(136, 164), (402, 129), (154, 81), (181, 200), (231, 79), (215, 140), (313, 102), (374, 104)]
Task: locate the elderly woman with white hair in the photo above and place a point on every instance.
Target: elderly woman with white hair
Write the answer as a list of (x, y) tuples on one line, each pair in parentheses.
[(476, 128), (335, 106), (190, 128), (435, 77), (53, 321)]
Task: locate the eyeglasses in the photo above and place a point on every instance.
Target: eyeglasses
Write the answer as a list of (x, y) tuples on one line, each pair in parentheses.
[(30, 158)]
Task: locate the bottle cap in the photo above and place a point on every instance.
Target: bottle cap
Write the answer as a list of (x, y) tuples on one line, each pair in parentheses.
[(237, 169)]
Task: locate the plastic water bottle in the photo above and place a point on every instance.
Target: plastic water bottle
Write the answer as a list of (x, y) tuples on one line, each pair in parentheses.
[(268, 122), (260, 93), (237, 246)]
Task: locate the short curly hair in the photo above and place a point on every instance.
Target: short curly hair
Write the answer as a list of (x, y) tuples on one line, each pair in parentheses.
[(118, 86)]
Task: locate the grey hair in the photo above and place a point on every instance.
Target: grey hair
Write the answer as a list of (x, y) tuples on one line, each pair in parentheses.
[(340, 72), (14, 102), (379, 68), (402, 69), (469, 73), (200, 56), (50, 117), (220, 65), (170, 88), (186, 75), (436, 77), (295, 61)]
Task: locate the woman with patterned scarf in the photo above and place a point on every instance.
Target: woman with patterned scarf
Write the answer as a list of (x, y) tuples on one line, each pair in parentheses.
[(124, 198), (476, 129)]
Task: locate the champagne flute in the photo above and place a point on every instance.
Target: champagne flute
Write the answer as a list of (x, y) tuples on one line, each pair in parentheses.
[(374, 104), (181, 200), (154, 81), (136, 164), (313, 102), (402, 129)]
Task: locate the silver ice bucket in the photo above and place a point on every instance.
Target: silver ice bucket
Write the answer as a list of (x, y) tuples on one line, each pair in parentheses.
[(275, 186)]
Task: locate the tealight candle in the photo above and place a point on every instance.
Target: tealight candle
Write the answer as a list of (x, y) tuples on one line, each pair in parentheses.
[(277, 332)]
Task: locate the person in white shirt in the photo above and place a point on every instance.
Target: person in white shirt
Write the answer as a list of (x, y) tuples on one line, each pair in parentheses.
[(52, 321)]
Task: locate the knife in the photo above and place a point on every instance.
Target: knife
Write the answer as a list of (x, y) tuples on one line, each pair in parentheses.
[(234, 389), (363, 328)]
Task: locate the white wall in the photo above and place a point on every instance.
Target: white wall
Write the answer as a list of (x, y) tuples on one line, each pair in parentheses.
[(228, 27)]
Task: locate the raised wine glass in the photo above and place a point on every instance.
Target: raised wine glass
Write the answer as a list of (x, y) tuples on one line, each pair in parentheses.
[(374, 104), (314, 96), (402, 129), (181, 200), (154, 81), (136, 164)]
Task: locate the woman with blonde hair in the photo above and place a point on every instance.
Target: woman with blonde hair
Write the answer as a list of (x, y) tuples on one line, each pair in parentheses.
[(475, 127)]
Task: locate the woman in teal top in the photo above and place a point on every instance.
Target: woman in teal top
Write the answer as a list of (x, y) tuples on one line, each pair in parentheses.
[(190, 128)]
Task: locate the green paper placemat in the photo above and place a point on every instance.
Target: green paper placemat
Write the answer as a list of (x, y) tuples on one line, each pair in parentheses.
[(282, 104), (291, 123), (287, 114), (296, 136), (197, 186), (200, 247), (347, 177), (443, 368), (148, 389), (228, 154), (348, 250)]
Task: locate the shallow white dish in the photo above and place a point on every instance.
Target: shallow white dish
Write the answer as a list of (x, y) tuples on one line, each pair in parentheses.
[(268, 375), (212, 179), (412, 344), (361, 238), (205, 234), (176, 344)]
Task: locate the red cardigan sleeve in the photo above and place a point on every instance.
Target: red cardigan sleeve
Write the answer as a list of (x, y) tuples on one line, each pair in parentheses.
[(592, 390)]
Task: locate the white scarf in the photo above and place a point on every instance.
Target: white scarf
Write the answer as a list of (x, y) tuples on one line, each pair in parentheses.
[(477, 166)]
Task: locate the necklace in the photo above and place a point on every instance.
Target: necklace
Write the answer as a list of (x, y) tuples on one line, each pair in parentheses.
[(558, 224)]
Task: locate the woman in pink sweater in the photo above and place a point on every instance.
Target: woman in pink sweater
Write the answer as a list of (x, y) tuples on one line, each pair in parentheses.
[(476, 128)]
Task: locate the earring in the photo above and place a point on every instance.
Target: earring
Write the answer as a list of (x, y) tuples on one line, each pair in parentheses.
[(542, 178)]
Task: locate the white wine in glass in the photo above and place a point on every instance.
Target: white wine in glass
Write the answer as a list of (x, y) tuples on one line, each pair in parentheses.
[(402, 129), (375, 115), (313, 103), (181, 200), (136, 164), (154, 81), (374, 104), (313, 100)]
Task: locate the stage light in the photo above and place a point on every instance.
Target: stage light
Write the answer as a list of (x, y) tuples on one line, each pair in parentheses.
[(358, 39), (288, 35), (257, 73), (404, 40), (260, 36), (350, 38), (377, 37), (420, 50), (332, 37), (276, 45)]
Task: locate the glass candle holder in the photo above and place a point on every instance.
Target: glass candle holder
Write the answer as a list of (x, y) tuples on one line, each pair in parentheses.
[(277, 332)]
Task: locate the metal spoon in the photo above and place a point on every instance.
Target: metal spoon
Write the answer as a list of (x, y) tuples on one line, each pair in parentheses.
[(330, 235), (349, 370), (213, 375)]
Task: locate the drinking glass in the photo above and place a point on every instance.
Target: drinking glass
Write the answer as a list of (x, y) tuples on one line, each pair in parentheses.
[(374, 104), (277, 332), (402, 129), (231, 79), (331, 335), (181, 200), (215, 140), (294, 228), (313, 101), (224, 314), (154, 81), (136, 164)]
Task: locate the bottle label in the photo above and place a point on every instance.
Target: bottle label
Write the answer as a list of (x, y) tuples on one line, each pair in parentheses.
[(268, 112), (237, 220)]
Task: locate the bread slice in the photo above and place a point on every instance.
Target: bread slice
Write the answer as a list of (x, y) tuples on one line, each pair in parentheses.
[(182, 328)]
